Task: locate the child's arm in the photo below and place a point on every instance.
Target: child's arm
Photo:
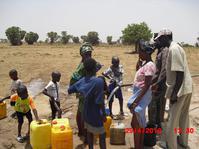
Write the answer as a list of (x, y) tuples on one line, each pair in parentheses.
[(105, 75), (35, 114), (1, 100), (46, 93), (32, 105)]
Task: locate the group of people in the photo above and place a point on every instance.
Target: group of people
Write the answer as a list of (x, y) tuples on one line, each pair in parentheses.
[(167, 78)]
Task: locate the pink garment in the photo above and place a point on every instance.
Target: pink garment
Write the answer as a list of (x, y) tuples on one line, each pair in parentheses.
[(148, 69)]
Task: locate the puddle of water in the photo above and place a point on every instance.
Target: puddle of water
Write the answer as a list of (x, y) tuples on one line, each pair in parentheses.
[(35, 87)]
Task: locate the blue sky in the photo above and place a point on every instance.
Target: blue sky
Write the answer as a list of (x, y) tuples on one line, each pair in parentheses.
[(107, 17)]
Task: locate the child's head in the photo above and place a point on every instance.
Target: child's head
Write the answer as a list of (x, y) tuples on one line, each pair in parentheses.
[(90, 66), (56, 75), (13, 74), (22, 92), (115, 61)]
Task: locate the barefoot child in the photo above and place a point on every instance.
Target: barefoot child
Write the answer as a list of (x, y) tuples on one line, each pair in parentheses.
[(23, 104), (92, 89), (115, 74), (52, 91)]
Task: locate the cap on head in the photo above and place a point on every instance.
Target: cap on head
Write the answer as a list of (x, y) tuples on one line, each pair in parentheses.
[(86, 47), (163, 32)]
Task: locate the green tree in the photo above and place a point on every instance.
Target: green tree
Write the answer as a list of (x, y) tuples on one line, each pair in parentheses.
[(22, 33), (15, 35), (134, 32), (31, 37), (52, 36), (84, 38), (109, 39), (65, 37), (75, 39), (92, 37)]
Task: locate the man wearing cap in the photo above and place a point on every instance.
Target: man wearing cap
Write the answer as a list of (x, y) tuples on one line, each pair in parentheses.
[(179, 91), (156, 108)]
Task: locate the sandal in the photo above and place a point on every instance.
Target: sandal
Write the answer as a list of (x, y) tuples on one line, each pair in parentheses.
[(20, 139)]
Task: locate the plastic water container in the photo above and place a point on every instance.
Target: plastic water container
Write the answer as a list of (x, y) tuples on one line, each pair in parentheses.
[(3, 111), (62, 134), (107, 125), (117, 134), (40, 134), (61, 121)]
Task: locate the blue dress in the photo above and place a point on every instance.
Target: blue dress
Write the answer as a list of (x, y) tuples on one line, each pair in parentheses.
[(140, 109)]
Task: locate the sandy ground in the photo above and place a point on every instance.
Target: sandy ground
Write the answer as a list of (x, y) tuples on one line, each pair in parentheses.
[(35, 64)]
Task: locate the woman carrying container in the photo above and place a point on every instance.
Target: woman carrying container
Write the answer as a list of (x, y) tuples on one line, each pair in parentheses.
[(142, 94)]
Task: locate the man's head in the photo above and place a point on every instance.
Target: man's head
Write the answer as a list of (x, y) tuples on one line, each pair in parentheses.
[(22, 92), (115, 61), (13, 74), (90, 66), (56, 75), (164, 38), (86, 50)]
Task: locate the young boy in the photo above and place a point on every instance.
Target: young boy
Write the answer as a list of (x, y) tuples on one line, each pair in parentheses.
[(115, 74), (16, 82), (92, 89), (22, 103), (52, 91)]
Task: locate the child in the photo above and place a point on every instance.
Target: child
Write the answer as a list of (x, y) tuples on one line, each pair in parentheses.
[(115, 74), (22, 103), (16, 82), (92, 89), (52, 91)]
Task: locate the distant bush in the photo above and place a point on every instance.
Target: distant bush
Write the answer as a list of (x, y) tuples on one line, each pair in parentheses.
[(93, 38), (15, 35), (65, 37), (185, 44), (84, 38), (31, 37), (109, 39), (52, 36), (75, 39), (3, 40)]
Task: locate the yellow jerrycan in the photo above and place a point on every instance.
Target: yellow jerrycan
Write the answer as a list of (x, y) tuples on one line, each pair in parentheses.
[(62, 134), (107, 126), (3, 111), (40, 134)]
